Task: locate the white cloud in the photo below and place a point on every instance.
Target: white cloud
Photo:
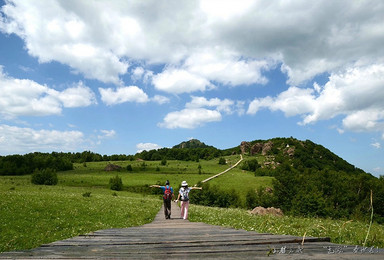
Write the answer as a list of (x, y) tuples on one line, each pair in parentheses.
[(190, 118), (377, 145), (204, 68), (22, 97), (122, 95), (180, 81), (225, 67), (76, 96), (15, 140), (357, 94), (147, 147), (225, 105), (200, 111), (137, 73), (229, 42), (160, 99), (106, 134)]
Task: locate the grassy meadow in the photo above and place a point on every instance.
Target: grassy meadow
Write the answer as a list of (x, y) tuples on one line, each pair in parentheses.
[(31, 215), (346, 232)]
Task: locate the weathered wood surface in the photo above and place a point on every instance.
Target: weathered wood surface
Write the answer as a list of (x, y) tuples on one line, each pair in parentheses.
[(180, 239)]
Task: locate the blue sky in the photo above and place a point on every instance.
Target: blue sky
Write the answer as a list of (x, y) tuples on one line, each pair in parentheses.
[(117, 77)]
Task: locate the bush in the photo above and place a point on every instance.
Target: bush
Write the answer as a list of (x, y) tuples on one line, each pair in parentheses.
[(213, 197), (222, 161), (164, 162), (116, 183), (44, 177), (129, 168), (87, 194), (251, 165)]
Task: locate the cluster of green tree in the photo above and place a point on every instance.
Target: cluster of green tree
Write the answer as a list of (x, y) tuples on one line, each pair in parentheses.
[(44, 177), (214, 197), (324, 193), (88, 156), (182, 154), (250, 165), (27, 164)]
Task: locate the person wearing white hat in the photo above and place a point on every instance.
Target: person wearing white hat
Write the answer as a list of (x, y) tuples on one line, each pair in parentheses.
[(184, 198)]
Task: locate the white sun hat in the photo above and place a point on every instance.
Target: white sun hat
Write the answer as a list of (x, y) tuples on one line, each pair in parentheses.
[(184, 183)]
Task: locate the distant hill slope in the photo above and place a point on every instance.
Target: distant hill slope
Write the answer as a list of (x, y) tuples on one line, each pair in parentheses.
[(298, 154), (193, 143), (270, 154)]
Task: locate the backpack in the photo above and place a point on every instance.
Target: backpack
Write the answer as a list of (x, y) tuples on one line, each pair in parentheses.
[(167, 193), (184, 194)]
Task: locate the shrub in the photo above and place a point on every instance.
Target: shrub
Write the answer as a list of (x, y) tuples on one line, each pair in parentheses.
[(164, 162), (87, 194), (212, 196), (222, 161), (251, 165), (44, 177), (116, 183), (129, 167)]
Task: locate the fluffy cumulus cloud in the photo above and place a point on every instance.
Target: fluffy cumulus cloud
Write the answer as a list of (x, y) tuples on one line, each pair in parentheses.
[(23, 97), (200, 111), (200, 42), (356, 94), (225, 105), (180, 81), (23, 140), (123, 94), (147, 147), (190, 118)]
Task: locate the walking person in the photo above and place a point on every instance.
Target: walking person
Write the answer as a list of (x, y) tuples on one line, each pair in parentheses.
[(184, 198), (167, 198)]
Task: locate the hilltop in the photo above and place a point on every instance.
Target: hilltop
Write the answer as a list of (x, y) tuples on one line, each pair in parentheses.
[(193, 143)]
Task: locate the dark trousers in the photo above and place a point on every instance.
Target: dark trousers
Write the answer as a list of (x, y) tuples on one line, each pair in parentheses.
[(167, 208)]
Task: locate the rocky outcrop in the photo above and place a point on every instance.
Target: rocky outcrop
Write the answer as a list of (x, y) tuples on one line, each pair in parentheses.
[(112, 167), (257, 148), (244, 147), (289, 151), (267, 147), (261, 211)]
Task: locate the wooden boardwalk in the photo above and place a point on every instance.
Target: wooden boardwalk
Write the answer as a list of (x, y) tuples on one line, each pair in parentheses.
[(181, 239)]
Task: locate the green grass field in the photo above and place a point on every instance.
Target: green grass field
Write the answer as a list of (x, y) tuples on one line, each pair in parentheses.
[(340, 231), (32, 215)]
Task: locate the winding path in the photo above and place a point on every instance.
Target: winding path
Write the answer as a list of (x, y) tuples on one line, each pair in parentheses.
[(230, 168), (181, 239)]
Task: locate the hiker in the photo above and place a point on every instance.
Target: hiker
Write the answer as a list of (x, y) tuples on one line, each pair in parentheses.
[(167, 198), (184, 198)]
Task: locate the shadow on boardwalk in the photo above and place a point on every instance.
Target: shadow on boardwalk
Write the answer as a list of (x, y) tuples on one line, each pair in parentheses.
[(180, 239)]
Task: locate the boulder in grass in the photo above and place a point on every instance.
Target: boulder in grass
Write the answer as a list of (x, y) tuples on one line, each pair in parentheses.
[(261, 211), (112, 167)]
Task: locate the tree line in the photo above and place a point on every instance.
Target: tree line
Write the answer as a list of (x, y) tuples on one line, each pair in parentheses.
[(28, 163)]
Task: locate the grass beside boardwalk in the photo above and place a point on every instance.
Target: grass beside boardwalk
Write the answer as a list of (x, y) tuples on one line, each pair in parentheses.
[(34, 215), (340, 231)]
